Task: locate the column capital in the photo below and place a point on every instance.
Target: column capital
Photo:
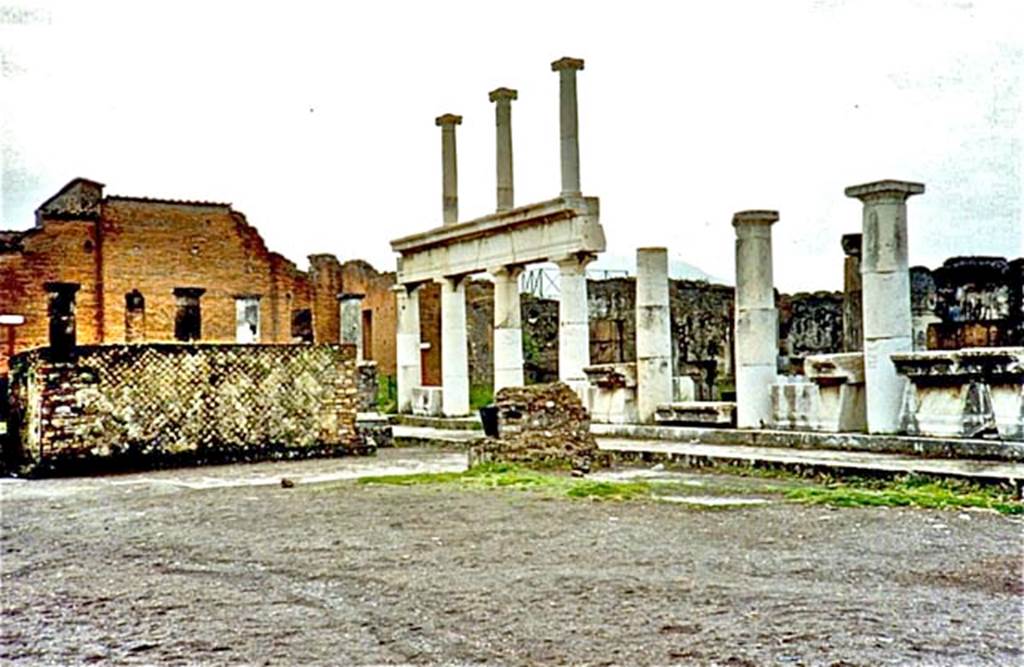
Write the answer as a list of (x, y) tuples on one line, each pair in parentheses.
[(742, 218), (502, 94), (510, 270), (575, 262), (567, 63), (448, 120), (851, 244), (887, 190)]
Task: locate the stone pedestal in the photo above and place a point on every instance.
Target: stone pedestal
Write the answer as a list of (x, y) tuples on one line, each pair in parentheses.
[(573, 322), (840, 382), (508, 331), (568, 124), (350, 308), (454, 348), (970, 393), (886, 295), (407, 345), (612, 393), (502, 97), (449, 168), (757, 320), (653, 332)]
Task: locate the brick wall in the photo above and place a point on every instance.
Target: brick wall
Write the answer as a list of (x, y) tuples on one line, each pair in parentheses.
[(151, 404), (112, 246)]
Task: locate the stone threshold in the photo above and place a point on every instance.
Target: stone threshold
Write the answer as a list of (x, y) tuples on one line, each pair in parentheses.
[(423, 436), (651, 451), (921, 447)]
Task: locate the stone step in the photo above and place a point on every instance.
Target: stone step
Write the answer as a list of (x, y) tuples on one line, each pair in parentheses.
[(418, 436), (697, 413), (951, 448), (471, 423), (685, 452)]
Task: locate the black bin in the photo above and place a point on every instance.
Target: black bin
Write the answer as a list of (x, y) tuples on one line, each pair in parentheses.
[(489, 418)]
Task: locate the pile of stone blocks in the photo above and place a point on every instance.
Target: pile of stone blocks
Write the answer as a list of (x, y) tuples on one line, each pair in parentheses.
[(543, 424)]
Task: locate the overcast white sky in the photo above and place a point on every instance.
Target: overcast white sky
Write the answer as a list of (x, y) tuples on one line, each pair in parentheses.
[(317, 119)]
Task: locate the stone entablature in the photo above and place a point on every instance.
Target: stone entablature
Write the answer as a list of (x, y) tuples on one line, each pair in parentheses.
[(547, 231), (974, 392)]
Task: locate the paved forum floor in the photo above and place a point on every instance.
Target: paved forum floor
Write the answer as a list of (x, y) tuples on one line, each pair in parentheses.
[(222, 566)]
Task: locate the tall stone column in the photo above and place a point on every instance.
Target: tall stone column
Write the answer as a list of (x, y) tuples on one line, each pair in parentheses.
[(653, 332), (454, 348), (502, 97), (508, 329), (569, 124), (573, 321), (449, 167), (350, 307), (757, 320), (407, 344), (853, 323), (885, 277)]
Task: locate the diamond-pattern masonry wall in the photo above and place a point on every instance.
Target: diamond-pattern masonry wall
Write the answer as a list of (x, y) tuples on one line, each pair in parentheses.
[(178, 403)]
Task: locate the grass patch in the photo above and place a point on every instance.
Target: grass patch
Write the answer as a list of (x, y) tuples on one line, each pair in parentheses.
[(479, 396), (910, 491), (507, 476)]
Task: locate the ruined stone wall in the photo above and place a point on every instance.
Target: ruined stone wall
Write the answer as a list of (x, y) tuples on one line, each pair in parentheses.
[(969, 302), (810, 323), (148, 404)]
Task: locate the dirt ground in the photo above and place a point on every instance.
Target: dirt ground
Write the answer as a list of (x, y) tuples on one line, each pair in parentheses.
[(223, 566)]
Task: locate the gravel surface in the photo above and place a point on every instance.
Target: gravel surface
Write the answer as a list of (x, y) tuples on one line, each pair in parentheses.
[(223, 566)]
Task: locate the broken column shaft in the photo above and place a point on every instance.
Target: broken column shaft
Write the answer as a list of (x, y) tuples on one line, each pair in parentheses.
[(757, 320), (508, 332), (350, 306), (407, 345), (853, 323), (569, 124), (502, 97), (454, 348), (885, 278), (449, 168), (653, 332)]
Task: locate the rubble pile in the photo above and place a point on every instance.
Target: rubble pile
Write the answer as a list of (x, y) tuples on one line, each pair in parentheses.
[(539, 424)]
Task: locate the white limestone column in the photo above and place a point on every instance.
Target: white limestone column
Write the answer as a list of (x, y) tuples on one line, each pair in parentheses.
[(653, 332), (502, 97), (350, 316), (407, 345), (569, 124), (573, 321), (757, 320), (508, 331), (454, 348), (885, 284), (449, 167)]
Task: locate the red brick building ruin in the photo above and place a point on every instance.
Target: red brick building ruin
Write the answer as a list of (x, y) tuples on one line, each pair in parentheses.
[(165, 270)]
